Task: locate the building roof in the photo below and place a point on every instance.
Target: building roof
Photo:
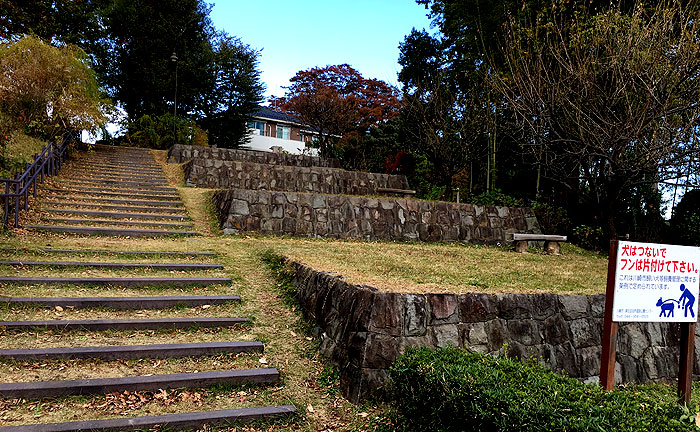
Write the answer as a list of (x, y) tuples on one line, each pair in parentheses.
[(268, 113), (271, 114)]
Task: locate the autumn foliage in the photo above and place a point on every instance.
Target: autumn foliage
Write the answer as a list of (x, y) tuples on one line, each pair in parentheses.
[(337, 101)]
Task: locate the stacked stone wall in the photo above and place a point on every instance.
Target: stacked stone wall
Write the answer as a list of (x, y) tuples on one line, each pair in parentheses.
[(182, 153), (391, 219), (220, 174), (363, 330)]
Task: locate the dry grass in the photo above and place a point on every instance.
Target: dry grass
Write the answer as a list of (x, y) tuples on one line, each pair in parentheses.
[(457, 268)]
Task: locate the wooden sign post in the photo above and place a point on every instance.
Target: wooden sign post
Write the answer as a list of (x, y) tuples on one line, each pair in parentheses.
[(637, 274)]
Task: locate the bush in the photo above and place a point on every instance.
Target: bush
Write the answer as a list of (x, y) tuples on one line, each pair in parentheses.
[(161, 132), (453, 390), (17, 150), (552, 219), (588, 237), (496, 197)]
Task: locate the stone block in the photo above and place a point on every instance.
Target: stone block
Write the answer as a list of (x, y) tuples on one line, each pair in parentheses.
[(574, 306), (597, 302), (239, 207), (380, 351), (588, 360), (277, 211), (445, 335), (476, 307), (586, 332), (415, 315), (386, 316), (443, 308), (564, 359), (556, 330), (319, 201), (477, 334), (632, 339), (497, 334), (525, 331)]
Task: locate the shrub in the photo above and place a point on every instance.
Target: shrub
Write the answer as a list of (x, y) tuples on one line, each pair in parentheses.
[(588, 237), (496, 197), (552, 219), (161, 132), (453, 390)]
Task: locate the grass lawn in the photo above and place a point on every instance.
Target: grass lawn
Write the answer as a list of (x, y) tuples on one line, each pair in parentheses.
[(447, 268)]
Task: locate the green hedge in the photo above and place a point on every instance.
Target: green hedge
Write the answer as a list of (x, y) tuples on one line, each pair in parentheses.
[(453, 390)]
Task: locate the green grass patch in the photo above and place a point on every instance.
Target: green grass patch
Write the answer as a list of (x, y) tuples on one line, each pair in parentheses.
[(454, 390)]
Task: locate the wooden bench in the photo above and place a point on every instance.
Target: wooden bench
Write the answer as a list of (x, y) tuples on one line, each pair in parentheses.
[(401, 192), (551, 242)]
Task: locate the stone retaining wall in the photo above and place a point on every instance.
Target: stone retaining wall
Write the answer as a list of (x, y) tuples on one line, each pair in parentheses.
[(363, 330), (391, 219), (248, 175), (182, 153)]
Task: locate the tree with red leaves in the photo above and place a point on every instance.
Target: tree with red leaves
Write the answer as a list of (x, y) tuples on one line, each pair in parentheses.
[(337, 101)]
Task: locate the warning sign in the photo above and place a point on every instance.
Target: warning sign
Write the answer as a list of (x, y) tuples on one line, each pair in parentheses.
[(656, 283)]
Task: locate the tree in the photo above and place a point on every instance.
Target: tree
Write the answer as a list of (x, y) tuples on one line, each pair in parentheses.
[(607, 101), (685, 223), (64, 21), (444, 121), (234, 93), (139, 70), (337, 100), (49, 89)]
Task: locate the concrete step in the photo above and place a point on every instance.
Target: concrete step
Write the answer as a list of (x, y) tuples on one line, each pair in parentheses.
[(125, 252), (117, 167), (129, 352), (91, 168), (51, 389), (121, 303), (115, 232), (88, 170), (120, 193), (123, 324), (116, 173), (181, 421), (115, 265), (117, 215), (116, 281), (117, 222), (153, 203), (133, 186), (169, 210), (103, 179)]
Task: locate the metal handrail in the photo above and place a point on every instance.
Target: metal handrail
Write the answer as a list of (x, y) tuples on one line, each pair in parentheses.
[(46, 163)]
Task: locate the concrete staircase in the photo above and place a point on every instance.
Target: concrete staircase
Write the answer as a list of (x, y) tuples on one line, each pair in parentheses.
[(124, 192)]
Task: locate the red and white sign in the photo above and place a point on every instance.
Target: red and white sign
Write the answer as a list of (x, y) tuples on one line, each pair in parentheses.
[(656, 283)]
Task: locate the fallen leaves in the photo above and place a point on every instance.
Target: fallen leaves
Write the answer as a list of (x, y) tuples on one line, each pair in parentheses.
[(123, 402)]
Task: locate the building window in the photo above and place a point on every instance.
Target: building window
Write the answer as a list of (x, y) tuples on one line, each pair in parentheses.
[(283, 132), (260, 126)]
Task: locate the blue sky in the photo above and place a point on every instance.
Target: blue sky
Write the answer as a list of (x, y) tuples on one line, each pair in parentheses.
[(301, 34)]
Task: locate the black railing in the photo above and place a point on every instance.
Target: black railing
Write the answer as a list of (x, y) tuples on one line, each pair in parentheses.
[(16, 191)]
